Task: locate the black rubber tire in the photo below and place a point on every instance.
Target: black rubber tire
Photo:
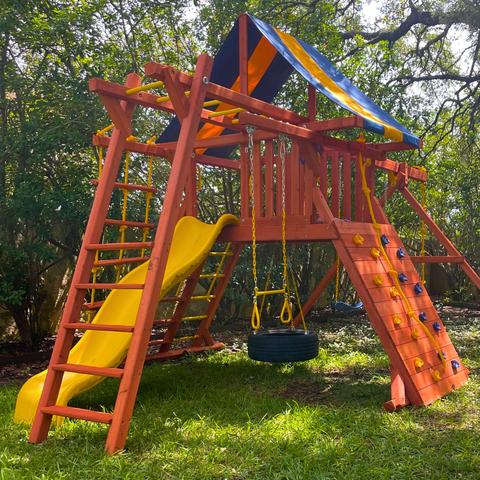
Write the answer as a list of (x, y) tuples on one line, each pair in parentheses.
[(282, 345)]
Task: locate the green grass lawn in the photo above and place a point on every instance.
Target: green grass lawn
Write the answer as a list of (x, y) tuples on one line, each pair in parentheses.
[(223, 416)]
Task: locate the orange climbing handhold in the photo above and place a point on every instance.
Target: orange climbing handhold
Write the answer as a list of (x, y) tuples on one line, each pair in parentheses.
[(374, 252), (378, 280), (358, 239), (397, 319), (436, 376), (415, 334), (394, 292), (418, 362)]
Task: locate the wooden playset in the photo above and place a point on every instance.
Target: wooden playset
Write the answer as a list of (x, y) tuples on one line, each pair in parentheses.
[(322, 177)]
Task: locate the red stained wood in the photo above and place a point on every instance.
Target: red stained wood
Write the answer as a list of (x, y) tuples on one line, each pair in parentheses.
[(99, 326), (118, 223), (89, 370), (119, 246), (176, 93), (294, 180), (433, 392), (137, 147), (79, 413), (309, 184), (437, 259), (399, 396), (308, 152), (82, 272), (173, 354), (269, 187), (358, 192), (109, 286), (117, 114), (343, 123), (335, 182), (324, 173), (347, 186), (243, 52), (257, 180)]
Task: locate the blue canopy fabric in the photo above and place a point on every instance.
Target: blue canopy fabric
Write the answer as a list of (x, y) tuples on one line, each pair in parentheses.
[(272, 56)]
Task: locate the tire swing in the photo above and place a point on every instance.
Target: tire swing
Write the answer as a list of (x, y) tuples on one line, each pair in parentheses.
[(283, 345)]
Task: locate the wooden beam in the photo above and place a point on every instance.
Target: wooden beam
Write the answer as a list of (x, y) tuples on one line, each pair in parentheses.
[(226, 95), (301, 133), (395, 146), (243, 52), (117, 114), (334, 124), (271, 232), (176, 93)]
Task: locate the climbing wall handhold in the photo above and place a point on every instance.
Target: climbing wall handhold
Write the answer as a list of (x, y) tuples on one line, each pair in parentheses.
[(400, 253), (394, 293), (437, 327), (436, 376), (375, 253), (418, 362), (397, 319), (418, 289), (358, 239), (443, 354), (423, 317), (415, 334), (402, 277), (455, 364), (384, 240), (378, 280)]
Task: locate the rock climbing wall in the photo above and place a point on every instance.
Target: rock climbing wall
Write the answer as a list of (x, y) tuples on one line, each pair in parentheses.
[(408, 346)]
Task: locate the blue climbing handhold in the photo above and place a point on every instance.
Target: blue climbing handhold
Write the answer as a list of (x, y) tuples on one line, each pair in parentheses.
[(437, 327), (319, 149), (423, 317), (302, 161), (455, 364), (444, 357), (418, 289), (384, 240), (401, 253), (402, 277)]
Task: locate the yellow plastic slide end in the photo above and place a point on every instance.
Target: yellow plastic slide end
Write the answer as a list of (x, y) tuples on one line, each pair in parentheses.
[(191, 244)]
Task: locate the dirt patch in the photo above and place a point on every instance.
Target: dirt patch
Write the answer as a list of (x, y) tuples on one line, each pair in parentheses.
[(305, 391)]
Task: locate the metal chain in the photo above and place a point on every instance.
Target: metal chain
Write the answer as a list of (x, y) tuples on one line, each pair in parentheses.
[(249, 151), (282, 152)]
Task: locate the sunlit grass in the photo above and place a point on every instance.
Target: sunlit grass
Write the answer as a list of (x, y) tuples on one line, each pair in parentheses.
[(224, 416)]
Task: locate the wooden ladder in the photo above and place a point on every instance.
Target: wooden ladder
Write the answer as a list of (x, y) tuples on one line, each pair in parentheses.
[(119, 421)]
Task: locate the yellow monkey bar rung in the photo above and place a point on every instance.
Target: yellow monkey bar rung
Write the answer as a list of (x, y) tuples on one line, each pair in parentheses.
[(144, 88), (226, 112)]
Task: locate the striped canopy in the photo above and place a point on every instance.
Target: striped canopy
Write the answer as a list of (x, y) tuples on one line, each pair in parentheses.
[(272, 56)]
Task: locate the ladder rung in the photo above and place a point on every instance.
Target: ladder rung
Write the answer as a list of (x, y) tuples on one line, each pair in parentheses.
[(89, 370), (98, 326), (170, 299), (179, 299), (212, 275), (196, 317), (119, 246), (153, 343), (80, 413), (111, 221), (162, 321), (123, 261), (180, 339), (129, 186), (221, 254), (110, 286), (94, 306)]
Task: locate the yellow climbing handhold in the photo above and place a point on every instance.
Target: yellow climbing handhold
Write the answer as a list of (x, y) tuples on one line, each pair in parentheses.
[(394, 292), (418, 362), (378, 280), (436, 376), (358, 239), (374, 252), (410, 313), (415, 333), (397, 319)]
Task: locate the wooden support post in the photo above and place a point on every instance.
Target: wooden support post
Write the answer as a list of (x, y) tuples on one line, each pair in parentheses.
[(76, 297), (307, 306), (399, 396), (202, 332), (335, 183), (269, 178), (158, 260), (358, 191), (347, 186), (244, 182), (324, 173), (243, 52), (294, 179), (309, 184), (257, 180)]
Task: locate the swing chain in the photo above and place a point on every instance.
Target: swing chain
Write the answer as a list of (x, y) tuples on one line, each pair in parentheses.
[(249, 150)]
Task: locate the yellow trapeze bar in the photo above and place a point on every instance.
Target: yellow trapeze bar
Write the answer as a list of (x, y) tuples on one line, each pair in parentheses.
[(270, 292)]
